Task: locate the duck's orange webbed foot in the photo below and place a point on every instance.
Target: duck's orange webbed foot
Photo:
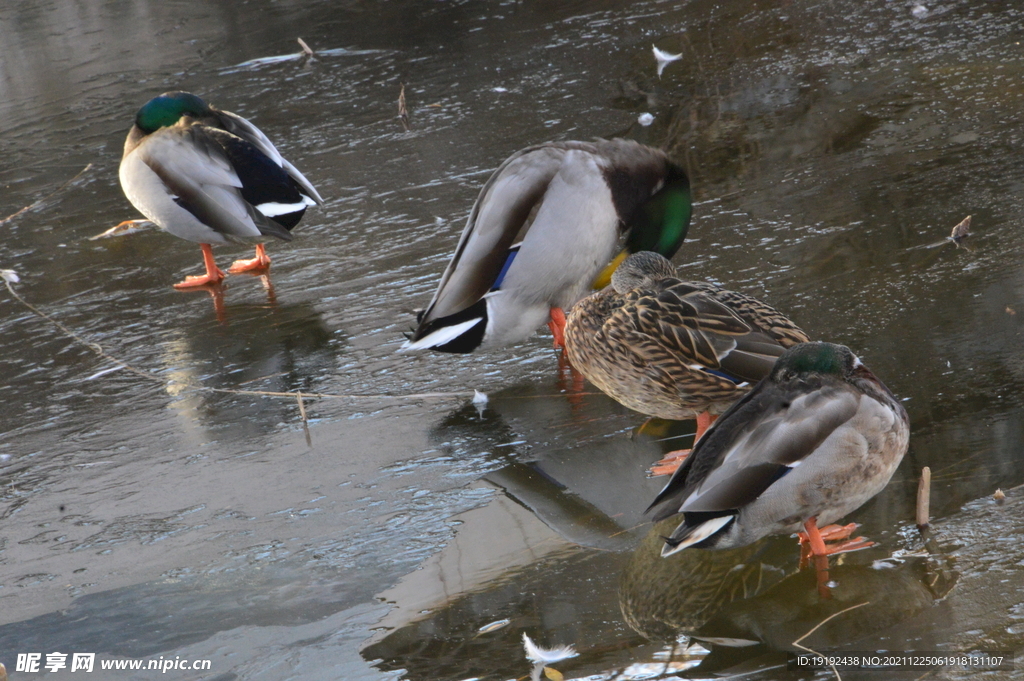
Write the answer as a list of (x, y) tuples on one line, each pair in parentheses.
[(214, 275), (200, 281), (668, 464), (812, 547), (673, 460), (833, 533), (258, 265)]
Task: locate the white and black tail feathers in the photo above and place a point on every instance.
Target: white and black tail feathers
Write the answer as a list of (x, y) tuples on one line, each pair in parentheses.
[(462, 332), (696, 529)]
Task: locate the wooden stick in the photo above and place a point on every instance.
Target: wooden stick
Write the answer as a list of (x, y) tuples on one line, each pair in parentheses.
[(924, 492), (403, 113), (48, 196), (306, 49), (305, 422)]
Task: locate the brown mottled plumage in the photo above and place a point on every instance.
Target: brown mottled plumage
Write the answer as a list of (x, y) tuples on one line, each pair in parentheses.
[(652, 341)]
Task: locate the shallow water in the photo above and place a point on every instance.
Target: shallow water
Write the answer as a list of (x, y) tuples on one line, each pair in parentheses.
[(832, 148)]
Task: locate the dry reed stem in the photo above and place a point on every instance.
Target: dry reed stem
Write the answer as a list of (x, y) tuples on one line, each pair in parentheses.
[(818, 626), (403, 113), (45, 198), (305, 421), (924, 492)]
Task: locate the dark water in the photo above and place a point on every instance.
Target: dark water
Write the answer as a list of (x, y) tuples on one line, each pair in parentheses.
[(832, 147)]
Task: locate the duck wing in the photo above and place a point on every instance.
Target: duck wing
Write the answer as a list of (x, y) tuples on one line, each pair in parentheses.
[(761, 316), (265, 185), (196, 170), (240, 127), (501, 216), (770, 431), (693, 321)]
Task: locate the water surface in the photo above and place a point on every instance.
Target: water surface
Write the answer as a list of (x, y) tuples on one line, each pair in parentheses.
[(832, 147)]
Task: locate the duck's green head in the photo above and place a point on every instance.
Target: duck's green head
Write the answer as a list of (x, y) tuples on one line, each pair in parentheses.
[(167, 109), (826, 359), (661, 223)]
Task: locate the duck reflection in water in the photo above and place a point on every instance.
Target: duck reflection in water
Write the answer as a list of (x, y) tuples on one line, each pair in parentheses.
[(295, 350), (217, 296), (545, 453), (749, 613)]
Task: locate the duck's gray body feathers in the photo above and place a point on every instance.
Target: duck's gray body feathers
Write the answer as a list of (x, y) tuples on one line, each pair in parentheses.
[(543, 227), (799, 446), (213, 178)]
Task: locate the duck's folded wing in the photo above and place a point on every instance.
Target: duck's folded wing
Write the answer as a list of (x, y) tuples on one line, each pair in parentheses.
[(791, 430), (763, 317), (265, 185), (193, 168), (690, 322), (241, 127), (500, 218), (753, 445)]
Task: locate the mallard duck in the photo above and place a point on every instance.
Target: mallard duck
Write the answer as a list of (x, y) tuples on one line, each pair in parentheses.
[(212, 177), (674, 349), (545, 224), (812, 442)]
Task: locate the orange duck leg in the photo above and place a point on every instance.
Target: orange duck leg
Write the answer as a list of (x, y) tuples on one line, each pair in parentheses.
[(258, 265), (213, 276), (673, 460)]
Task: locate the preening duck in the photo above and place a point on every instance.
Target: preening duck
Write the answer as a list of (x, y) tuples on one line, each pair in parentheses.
[(674, 349), (543, 228), (212, 177), (809, 444)]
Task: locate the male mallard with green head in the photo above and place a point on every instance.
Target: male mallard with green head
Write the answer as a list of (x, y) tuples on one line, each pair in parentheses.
[(809, 444), (674, 349), (543, 228), (212, 177)]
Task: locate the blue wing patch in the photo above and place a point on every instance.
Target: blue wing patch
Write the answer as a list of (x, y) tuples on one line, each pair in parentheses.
[(512, 253), (721, 374)]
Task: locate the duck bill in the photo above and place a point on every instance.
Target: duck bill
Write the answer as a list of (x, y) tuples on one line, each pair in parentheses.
[(605, 277)]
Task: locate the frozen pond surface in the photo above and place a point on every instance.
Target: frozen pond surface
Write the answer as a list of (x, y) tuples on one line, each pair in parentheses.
[(832, 147)]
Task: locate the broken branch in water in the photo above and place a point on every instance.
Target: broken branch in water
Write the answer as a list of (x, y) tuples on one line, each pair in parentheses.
[(306, 49), (924, 492), (818, 626), (45, 198), (403, 113), (95, 347)]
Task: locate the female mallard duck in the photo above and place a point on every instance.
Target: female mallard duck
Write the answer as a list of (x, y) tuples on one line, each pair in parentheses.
[(809, 444), (674, 349), (210, 176), (544, 226)]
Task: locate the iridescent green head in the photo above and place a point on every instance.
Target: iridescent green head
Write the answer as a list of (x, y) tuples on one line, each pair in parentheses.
[(167, 109), (661, 223), (815, 358)]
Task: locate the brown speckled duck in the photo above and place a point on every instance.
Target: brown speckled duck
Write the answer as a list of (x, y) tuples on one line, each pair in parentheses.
[(674, 349)]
